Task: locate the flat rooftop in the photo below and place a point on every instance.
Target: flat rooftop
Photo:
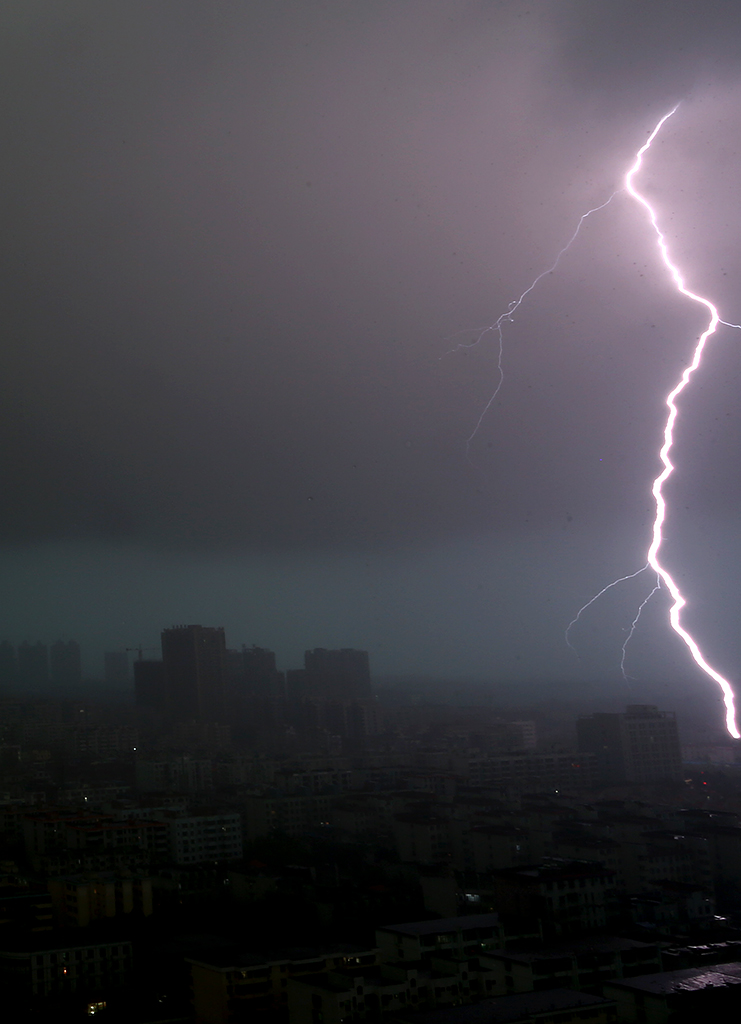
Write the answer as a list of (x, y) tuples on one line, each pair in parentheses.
[(445, 924), (508, 1008), (691, 979), (583, 947)]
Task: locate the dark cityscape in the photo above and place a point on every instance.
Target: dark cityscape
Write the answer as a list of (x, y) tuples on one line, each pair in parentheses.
[(369, 542), (211, 838)]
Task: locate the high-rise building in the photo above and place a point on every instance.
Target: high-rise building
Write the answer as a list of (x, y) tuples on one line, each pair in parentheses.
[(149, 685), (338, 675), (195, 667), (261, 677), (66, 663), (652, 750), (297, 684), (33, 666), (641, 745), (116, 668)]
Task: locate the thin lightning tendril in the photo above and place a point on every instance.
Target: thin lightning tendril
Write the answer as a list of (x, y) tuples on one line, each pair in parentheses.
[(507, 317), (634, 623), (652, 557), (596, 597)]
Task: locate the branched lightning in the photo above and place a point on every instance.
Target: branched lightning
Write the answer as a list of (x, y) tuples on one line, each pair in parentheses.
[(656, 489), (507, 317), (652, 557), (634, 623), (590, 602)]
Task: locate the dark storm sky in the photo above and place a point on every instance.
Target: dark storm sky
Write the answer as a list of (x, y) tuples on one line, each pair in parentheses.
[(240, 241)]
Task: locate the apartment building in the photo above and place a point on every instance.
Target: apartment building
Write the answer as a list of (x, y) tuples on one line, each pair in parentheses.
[(205, 837)]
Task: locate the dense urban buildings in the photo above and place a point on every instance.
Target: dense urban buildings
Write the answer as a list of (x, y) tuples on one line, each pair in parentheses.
[(641, 745), (258, 674), (149, 685), (195, 672), (238, 843)]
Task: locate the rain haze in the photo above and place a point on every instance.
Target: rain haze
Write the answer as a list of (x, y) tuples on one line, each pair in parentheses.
[(247, 249)]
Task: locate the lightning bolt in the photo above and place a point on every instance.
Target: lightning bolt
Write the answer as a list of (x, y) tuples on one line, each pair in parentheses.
[(652, 557)]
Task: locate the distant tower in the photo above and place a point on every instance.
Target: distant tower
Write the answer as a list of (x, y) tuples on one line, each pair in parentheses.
[(66, 663), (338, 675), (116, 668), (195, 666), (33, 666), (261, 677)]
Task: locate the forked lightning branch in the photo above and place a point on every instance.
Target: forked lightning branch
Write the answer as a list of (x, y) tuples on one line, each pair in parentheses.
[(663, 579)]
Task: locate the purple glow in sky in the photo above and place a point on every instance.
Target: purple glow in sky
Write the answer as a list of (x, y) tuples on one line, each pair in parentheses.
[(236, 239)]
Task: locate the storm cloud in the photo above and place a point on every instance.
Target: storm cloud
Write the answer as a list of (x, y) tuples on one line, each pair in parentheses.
[(246, 245)]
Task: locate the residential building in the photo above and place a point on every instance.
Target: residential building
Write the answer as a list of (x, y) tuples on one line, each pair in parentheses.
[(50, 833), (78, 900), (576, 965), (260, 675), (530, 771), (195, 668), (232, 984), (690, 994), (641, 745), (149, 685), (204, 838), (569, 897), (45, 971), (102, 741), (422, 838), (174, 774), (492, 847), (291, 813), (460, 936)]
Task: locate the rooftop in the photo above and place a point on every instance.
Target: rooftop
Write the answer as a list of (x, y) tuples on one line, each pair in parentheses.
[(576, 948), (444, 924), (228, 957), (508, 1008), (691, 979)]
